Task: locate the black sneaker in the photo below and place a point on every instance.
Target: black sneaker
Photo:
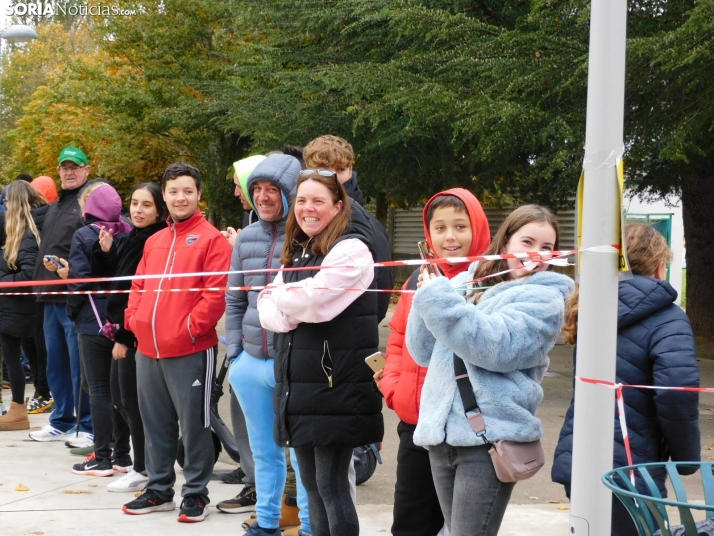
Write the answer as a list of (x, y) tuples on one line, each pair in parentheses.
[(193, 509), (122, 464), (234, 477), (93, 467), (148, 502), (243, 502)]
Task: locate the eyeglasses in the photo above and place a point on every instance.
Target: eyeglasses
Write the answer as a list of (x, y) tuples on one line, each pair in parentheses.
[(65, 168), (321, 172)]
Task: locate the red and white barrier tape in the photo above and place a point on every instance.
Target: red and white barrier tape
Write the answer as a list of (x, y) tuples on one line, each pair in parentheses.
[(550, 257), (544, 256), (613, 385), (623, 428), (621, 406)]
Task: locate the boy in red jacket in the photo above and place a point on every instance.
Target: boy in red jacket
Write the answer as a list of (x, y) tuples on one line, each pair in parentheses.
[(455, 225), (176, 333)]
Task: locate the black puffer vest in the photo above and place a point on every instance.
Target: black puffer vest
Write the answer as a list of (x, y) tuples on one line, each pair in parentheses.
[(324, 395)]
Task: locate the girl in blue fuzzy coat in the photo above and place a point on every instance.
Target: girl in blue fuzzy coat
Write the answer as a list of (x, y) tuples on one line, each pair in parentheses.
[(503, 334)]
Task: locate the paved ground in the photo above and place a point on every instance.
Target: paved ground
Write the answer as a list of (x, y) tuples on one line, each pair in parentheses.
[(61, 503)]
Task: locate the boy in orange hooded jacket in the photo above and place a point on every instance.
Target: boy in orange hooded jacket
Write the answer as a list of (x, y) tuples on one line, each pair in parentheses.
[(455, 225)]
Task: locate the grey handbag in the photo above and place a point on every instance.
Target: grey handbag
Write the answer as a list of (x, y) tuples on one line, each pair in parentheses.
[(513, 461)]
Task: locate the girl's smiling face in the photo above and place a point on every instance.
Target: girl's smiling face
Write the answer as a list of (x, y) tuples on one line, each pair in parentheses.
[(532, 237)]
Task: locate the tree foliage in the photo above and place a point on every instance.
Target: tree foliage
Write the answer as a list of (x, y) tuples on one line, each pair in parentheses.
[(482, 94)]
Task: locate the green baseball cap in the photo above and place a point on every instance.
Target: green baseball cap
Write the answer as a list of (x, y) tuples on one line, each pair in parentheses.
[(243, 169), (73, 155)]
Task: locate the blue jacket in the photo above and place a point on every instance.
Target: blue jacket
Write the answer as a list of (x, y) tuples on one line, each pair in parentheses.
[(655, 346), (504, 341), (258, 246)]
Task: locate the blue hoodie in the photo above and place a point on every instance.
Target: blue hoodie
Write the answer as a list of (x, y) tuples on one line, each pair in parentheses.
[(504, 341)]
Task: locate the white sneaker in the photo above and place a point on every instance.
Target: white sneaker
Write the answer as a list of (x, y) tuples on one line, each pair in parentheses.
[(84, 439), (131, 482), (49, 433)]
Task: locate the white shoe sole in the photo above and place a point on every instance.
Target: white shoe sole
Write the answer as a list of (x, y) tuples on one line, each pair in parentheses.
[(166, 507), (139, 486), (238, 510), (47, 439)]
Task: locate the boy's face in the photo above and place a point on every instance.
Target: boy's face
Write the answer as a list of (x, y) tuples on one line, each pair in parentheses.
[(182, 197), (451, 233), (343, 173)]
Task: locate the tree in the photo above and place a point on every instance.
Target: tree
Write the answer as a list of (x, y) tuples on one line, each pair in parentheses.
[(671, 138), (474, 93)]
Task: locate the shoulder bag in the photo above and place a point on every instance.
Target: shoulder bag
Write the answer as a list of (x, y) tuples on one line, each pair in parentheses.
[(513, 461)]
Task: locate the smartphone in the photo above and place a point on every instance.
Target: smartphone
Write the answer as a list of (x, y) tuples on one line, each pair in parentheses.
[(426, 253), (375, 361), (51, 258)]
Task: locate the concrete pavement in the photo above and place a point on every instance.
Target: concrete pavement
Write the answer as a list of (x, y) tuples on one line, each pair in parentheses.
[(60, 503)]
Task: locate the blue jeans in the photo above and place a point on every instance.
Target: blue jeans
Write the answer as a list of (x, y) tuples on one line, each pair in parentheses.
[(63, 370), (472, 498), (253, 381)]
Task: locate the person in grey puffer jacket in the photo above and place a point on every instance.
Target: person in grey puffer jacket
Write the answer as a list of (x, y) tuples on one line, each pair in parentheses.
[(271, 187)]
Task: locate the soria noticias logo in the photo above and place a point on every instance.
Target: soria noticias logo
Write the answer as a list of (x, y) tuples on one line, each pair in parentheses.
[(20, 9)]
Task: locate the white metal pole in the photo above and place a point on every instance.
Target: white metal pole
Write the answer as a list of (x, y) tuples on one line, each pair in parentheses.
[(591, 501)]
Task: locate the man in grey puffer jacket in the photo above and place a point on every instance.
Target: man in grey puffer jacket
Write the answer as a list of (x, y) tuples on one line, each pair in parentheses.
[(271, 186)]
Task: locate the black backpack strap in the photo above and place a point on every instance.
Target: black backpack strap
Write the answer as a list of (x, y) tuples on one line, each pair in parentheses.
[(467, 397)]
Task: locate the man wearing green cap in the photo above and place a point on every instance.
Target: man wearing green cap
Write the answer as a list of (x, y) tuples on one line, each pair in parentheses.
[(63, 370)]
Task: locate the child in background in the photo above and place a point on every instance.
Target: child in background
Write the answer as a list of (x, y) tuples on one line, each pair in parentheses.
[(455, 226), (502, 335), (655, 346)]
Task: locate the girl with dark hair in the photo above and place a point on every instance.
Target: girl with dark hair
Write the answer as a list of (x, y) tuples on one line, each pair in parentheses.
[(323, 334), (18, 314), (120, 256), (501, 336)]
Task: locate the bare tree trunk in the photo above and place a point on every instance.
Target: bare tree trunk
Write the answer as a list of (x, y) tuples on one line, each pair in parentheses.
[(697, 203)]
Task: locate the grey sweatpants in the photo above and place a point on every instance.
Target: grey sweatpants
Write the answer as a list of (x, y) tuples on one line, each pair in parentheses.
[(175, 391)]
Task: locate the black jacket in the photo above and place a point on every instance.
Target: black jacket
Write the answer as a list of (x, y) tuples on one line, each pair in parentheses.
[(655, 346), (18, 313), (62, 220), (382, 251), (121, 260), (311, 412)]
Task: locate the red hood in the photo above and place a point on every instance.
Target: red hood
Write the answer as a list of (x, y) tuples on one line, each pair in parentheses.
[(479, 225)]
